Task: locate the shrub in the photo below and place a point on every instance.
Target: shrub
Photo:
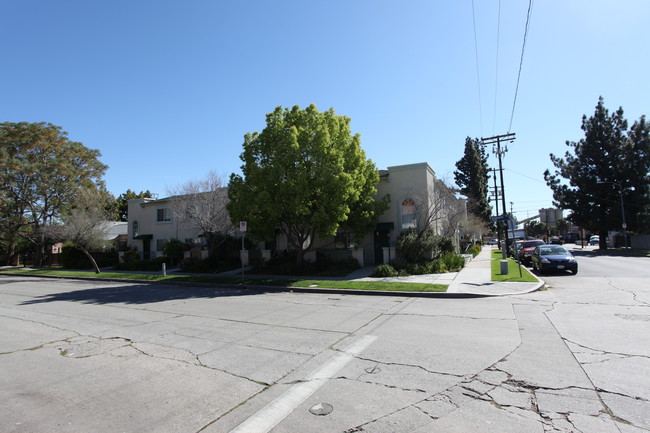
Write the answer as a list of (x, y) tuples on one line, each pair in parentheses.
[(438, 267), (284, 263), (130, 256), (413, 245), (384, 271), (422, 268), (442, 246), (73, 258), (174, 250), (453, 262), (143, 265), (399, 263), (474, 250)]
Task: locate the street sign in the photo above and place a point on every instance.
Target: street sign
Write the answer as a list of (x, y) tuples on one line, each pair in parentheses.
[(242, 226), (499, 218)]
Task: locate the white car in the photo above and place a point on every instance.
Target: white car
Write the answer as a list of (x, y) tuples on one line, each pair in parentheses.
[(594, 240)]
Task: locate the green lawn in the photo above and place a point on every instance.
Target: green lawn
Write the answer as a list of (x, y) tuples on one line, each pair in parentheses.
[(247, 281), (513, 270)]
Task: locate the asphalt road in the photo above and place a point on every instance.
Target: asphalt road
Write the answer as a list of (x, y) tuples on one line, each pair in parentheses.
[(105, 357)]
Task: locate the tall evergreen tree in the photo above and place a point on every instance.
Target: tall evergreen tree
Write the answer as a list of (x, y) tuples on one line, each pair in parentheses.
[(609, 165), (122, 203), (472, 178)]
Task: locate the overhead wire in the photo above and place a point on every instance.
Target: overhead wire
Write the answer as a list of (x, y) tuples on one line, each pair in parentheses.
[(496, 72), (521, 61), (478, 77)]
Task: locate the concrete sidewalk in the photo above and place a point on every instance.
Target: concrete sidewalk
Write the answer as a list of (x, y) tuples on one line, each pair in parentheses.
[(474, 279)]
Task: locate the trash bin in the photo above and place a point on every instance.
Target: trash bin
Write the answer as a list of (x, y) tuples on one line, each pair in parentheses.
[(504, 267)]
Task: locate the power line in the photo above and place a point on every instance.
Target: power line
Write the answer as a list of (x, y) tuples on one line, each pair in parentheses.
[(496, 72), (478, 77), (521, 61), (525, 175)]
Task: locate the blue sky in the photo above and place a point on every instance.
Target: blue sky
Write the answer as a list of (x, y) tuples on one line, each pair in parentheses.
[(166, 90)]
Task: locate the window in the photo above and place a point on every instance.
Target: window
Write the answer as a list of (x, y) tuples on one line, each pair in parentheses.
[(136, 229), (163, 215), (343, 240), (194, 242), (408, 214), (160, 244)]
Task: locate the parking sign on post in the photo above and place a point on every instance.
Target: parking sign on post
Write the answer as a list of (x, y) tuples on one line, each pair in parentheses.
[(242, 226)]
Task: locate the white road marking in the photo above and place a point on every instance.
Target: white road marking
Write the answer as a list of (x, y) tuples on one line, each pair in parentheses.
[(277, 410)]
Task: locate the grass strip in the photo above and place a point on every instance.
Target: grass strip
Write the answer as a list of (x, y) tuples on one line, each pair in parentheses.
[(372, 285), (246, 281), (513, 270)]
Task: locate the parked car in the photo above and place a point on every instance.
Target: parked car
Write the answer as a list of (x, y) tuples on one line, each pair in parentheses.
[(570, 237), (553, 258), (526, 249), (492, 242), (594, 240)]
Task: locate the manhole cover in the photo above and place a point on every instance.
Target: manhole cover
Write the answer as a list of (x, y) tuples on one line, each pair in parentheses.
[(321, 409)]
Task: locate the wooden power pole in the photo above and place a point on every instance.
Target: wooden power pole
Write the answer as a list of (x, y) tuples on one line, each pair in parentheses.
[(499, 151)]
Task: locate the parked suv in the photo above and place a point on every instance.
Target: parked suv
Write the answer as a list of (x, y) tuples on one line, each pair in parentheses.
[(527, 248)]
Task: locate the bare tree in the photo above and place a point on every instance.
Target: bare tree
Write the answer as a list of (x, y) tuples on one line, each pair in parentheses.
[(85, 224), (474, 227), (428, 217), (439, 210), (202, 204)]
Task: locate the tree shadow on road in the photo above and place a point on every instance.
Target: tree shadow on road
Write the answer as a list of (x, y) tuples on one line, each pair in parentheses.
[(140, 294), (609, 253)]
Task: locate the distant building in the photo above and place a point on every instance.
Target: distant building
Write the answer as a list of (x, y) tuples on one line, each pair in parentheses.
[(550, 216)]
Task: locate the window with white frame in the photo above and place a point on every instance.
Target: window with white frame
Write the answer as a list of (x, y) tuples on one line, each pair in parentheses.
[(408, 214), (160, 244), (136, 228), (163, 215)]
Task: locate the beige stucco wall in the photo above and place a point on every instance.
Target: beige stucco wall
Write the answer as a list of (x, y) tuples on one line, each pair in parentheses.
[(416, 181), (144, 211)]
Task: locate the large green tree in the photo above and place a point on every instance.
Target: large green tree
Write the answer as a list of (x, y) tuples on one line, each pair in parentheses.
[(472, 178), (305, 174), (609, 165), (41, 171)]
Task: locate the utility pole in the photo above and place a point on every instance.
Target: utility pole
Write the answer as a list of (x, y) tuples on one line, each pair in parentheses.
[(496, 204), (499, 151)]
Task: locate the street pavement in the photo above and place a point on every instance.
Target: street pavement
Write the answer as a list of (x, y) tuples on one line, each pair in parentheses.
[(97, 356)]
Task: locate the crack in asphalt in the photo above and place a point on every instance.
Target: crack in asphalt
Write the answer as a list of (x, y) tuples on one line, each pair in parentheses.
[(630, 292), (409, 365), (614, 355)]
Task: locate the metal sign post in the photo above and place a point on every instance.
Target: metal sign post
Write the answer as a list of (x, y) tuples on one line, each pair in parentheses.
[(242, 228)]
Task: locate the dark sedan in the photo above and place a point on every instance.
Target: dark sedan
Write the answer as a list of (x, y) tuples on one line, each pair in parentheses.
[(553, 258)]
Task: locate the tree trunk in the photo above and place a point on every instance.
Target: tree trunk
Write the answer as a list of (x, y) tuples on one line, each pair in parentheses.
[(300, 258), (91, 258), (11, 252), (602, 242)]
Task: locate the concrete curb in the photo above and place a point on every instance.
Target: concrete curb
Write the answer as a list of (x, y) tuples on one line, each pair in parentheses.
[(280, 289)]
